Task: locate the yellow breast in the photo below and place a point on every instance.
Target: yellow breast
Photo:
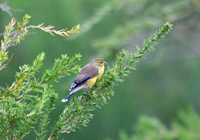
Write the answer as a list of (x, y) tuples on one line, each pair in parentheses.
[(101, 71), (91, 82)]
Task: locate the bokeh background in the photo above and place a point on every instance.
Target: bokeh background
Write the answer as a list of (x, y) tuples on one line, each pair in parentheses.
[(166, 81)]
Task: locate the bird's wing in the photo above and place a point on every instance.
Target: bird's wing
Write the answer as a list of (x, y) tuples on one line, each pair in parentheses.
[(88, 71)]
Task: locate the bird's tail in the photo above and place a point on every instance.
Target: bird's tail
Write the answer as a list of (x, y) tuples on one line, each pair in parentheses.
[(66, 98), (72, 92)]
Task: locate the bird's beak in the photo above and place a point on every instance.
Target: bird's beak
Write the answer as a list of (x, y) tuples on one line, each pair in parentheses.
[(105, 63)]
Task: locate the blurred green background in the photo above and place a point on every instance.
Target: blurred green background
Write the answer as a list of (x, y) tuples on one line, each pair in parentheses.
[(166, 81)]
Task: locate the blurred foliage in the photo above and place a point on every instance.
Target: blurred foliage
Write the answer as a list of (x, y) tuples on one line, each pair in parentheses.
[(138, 16), (166, 81), (185, 127)]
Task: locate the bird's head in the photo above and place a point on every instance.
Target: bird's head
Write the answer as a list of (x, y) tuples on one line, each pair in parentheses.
[(98, 62)]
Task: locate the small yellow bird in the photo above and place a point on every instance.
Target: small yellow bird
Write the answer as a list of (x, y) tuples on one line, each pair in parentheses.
[(88, 76)]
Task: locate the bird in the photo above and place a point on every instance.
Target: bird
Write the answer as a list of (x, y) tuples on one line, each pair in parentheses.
[(88, 76)]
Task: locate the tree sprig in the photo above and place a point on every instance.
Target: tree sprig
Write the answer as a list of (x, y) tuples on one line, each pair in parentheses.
[(13, 37), (29, 100), (78, 112)]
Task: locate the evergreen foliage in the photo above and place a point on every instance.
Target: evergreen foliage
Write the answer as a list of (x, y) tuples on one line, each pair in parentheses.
[(186, 127), (30, 99)]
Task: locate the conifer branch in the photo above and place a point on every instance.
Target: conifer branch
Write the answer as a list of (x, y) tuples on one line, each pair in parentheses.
[(13, 37), (83, 105), (30, 100)]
